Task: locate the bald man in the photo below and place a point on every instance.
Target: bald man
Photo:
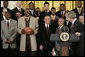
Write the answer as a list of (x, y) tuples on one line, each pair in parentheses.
[(18, 8)]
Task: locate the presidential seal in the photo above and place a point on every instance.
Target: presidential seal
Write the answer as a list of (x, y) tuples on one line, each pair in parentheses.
[(64, 36)]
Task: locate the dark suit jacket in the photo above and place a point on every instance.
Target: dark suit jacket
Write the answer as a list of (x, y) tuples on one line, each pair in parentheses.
[(68, 25), (42, 15), (33, 13), (80, 51), (44, 38), (59, 14), (14, 11), (76, 27), (77, 14), (54, 24)]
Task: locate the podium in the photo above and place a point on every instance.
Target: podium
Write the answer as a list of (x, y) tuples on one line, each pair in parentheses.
[(65, 44)]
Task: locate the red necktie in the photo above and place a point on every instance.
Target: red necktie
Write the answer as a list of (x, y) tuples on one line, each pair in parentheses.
[(47, 28), (58, 29), (8, 24)]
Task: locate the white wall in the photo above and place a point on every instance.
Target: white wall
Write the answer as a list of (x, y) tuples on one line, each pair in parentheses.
[(12, 4)]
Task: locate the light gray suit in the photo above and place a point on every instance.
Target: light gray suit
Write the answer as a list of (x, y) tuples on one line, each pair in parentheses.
[(10, 33)]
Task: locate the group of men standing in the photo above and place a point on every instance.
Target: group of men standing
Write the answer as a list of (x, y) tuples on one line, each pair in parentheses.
[(28, 31)]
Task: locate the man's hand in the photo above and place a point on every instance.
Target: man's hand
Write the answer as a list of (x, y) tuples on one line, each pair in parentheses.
[(53, 52), (8, 41), (41, 47), (77, 34)]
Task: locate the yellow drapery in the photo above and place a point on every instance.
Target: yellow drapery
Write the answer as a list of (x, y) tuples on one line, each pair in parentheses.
[(69, 4)]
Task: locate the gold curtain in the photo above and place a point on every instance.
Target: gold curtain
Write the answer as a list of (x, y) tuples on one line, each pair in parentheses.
[(69, 4)]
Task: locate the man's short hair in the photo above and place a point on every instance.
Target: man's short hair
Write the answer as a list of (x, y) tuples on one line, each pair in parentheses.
[(53, 8), (72, 14), (46, 3), (46, 16), (61, 19), (5, 1), (31, 3), (81, 17), (62, 4), (8, 13)]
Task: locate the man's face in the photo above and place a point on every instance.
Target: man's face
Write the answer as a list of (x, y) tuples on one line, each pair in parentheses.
[(70, 19), (47, 20), (62, 7), (79, 4), (37, 9), (27, 12), (18, 14), (5, 4), (60, 22), (7, 16), (19, 4), (81, 20), (31, 6), (53, 11), (46, 6)]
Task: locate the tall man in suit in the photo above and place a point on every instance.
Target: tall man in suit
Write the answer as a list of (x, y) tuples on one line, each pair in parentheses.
[(4, 9), (54, 20), (61, 12), (81, 42), (67, 22), (44, 13), (75, 28), (32, 8), (28, 28), (8, 35), (44, 38), (18, 8), (79, 9)]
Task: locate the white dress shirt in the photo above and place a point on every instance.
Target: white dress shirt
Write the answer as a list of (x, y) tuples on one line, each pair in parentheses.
[(74, 21), (46, 25)]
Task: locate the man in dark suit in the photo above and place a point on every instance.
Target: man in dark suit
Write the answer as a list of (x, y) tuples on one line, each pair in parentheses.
[(79, 9), (54, 20), (44, 13), (44, 38), (75, 28), (61, 12), (18, 8), (67, 22), (80, 51), (4, 9), (32, 8)]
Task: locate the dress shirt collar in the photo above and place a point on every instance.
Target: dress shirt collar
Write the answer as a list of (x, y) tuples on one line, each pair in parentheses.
[(74, 21), (46, 25)]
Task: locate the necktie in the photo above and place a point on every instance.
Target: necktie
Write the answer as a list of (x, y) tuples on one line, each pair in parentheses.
[(47, 28), (8, 24), (58, 29), (19, 9), (62, 13)]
